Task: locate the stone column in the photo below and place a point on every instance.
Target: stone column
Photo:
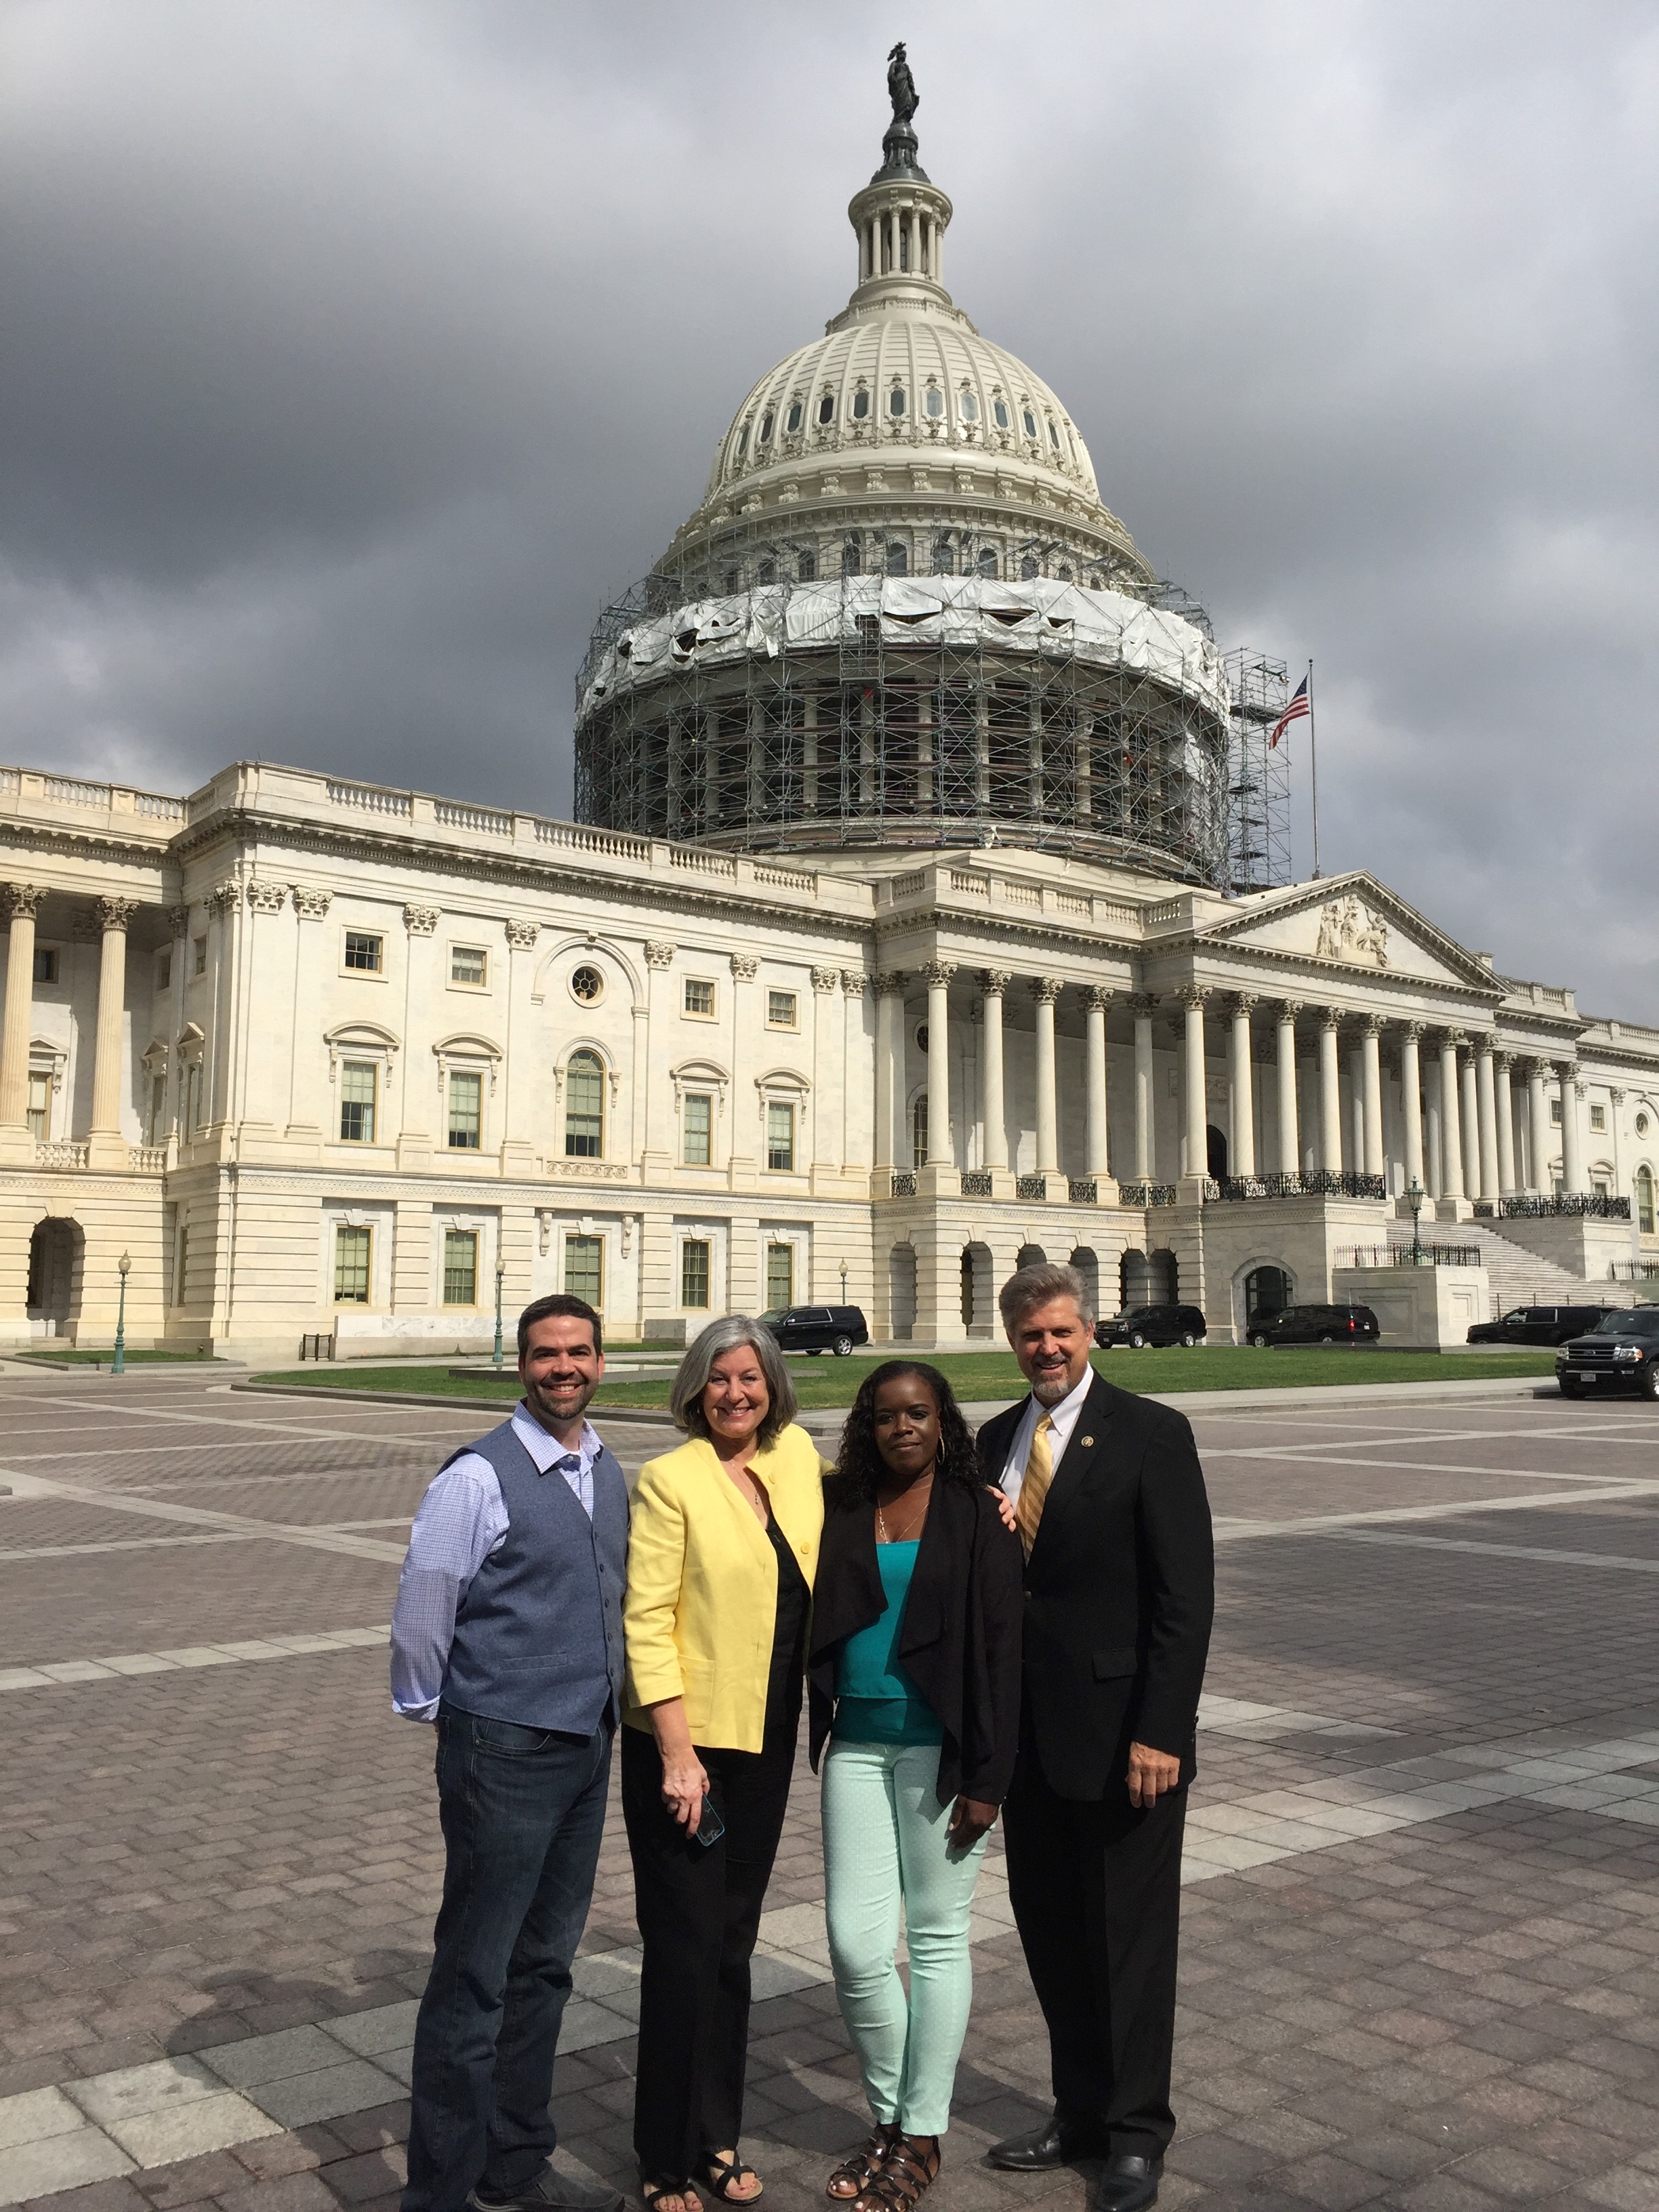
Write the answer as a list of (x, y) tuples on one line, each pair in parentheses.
[(1044, 990), (1469, 1111), (1370, 1094), (1197, 1116), (854, 1151), (1572, 1142), (890, 1027), (1452, 1135), (938, 974), (1486, 1093), (1330, 1094), (1241, 1135), (1095, 999), (1506, 1102), (178, 924), (1290, 1138), (993, 982), (19, 901), (1538, 1127), (1143, 1007), (517, 1152), (661, 1151), (306, 1112), (1615, 1115), (105, 1137), (1411, 1103), (824, 1143)]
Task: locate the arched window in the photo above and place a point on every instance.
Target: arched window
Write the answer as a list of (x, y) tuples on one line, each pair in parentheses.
[(742, 441), (999, 409), (806, 567), (1030, 420), (987, 561), (860, 404), (1065, 574), (968, 406), (1644, 1217), (852, 554), (898, 558), (765, 427), (945, 561), (935, 401), (767, 573), (827, 408), (1053, 435), (792, 420), (1028, 569), (584, 1107), (896, 402)]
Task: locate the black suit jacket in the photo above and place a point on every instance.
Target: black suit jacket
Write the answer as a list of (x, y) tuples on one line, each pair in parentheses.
[(961, 1637), (1120, 1591)]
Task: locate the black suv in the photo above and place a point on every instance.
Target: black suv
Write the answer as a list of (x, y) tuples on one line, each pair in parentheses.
[(1315, 1325), (1143, 1325), (1537, 1325), (1621, 1352), (817, 1328)]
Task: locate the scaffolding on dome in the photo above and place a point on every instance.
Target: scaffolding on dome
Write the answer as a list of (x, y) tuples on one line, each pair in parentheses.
[(780, 711), (1258, 774)]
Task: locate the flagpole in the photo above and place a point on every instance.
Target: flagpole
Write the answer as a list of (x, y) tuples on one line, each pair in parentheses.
[(1313, 760)]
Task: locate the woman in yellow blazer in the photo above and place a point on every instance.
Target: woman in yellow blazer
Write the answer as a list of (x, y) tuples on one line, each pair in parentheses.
[(721, 1560)]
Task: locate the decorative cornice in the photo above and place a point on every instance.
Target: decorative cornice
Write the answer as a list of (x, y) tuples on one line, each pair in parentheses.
[(890, 984), (23, 899), (310, 904), (1097, 997), (744, 967), (826, 980), (854, 982), (521, 935), (994, 981), (1045, 989), (419, 921), (224, 898), (267, 898), (937, 973), (1143, 1005), (659, 953), (179, 922)]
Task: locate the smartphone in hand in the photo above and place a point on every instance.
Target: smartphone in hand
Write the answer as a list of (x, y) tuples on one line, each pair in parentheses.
[(710, 1827)]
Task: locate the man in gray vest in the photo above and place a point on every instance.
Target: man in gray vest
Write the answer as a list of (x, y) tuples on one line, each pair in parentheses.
[(507, 1634)]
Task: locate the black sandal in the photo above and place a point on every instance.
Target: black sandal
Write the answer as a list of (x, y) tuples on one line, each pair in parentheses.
[(717, 2175), (653, 2190), (855, 2175), (910, 2168)]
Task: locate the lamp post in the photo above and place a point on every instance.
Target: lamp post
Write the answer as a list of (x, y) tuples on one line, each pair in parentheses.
[(843, 1282), (118, 1364), (501, 1271), (1415, 1194)]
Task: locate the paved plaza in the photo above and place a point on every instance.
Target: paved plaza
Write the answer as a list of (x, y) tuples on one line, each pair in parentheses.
[(1421, 1951)]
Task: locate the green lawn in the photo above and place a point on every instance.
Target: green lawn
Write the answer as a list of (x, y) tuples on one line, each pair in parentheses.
[(102, 1358), (829, 1382)]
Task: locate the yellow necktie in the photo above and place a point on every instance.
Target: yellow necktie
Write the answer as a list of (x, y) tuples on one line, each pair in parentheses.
[(1034, 1486)]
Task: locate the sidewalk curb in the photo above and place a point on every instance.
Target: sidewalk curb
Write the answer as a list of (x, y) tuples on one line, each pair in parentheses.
[(334, 1394)]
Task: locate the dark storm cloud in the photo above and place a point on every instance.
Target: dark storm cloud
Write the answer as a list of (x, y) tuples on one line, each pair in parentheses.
[(356, 353)]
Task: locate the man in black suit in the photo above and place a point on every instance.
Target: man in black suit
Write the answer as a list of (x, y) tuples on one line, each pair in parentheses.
[(1120, 1587)]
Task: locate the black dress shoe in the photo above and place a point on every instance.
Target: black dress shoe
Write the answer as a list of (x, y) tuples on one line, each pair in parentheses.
[(1043, 2148), (1127, 2184)]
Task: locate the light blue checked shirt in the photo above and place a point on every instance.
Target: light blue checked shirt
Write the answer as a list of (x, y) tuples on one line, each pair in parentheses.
[(460, 1521)]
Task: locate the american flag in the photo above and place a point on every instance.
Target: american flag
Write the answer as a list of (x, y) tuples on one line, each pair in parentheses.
[(1300, 704)]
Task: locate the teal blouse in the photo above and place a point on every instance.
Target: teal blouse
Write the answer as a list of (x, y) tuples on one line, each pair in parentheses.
[(876, 1701)]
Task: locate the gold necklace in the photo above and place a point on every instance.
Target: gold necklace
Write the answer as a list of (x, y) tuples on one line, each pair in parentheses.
[(910, 1534)]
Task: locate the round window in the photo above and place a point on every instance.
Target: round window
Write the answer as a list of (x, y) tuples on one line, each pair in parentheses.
[(587, 984), (1641, 1125), (921, 1036), (896, 401)]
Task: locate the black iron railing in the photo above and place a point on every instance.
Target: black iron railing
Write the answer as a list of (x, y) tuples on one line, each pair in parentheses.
[(976, 1182), (1573, 1205), (1403, 1255), (1146, 1193), (905, 1182), (1083, 1190), (1031, 1186)]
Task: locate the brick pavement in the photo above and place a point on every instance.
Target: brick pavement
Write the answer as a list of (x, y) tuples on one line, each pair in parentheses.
[(1421, 1956)]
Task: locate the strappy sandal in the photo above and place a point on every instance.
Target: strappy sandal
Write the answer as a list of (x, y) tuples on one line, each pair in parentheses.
[(653, 2191), (909, 2169), (854, 2176), (717, 2175)]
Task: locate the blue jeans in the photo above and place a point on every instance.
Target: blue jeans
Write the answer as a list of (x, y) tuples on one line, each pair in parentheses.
[(522, 1811)]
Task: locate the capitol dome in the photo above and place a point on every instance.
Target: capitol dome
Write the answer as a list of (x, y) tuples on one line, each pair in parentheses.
[(902, 614)]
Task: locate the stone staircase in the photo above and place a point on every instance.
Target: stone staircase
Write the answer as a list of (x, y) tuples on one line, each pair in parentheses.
[(1517, 1277)]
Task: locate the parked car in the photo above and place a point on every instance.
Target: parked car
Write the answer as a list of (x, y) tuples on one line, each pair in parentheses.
[(814, 1329), (1143, 1325), (1537, 1325), (1316, 1325), (1621, 1352)]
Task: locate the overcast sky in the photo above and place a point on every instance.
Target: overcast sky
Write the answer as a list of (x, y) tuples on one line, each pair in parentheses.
[(357, 351)]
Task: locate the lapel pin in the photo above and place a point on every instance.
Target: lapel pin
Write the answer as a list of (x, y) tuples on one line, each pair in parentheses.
[(1087, 1441)]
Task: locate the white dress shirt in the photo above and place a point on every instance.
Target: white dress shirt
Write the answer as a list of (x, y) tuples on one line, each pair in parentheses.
[(1063, 1420), (460, 1521)]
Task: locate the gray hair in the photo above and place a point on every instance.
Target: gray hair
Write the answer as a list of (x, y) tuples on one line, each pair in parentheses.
[(732, 1333), (1034, 1287)]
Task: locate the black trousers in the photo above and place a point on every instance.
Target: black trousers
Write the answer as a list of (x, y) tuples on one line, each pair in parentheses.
[(699, 1908), (1096, 1890)]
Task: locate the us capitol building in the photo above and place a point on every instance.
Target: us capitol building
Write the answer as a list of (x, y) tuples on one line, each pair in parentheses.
[(922, 917)]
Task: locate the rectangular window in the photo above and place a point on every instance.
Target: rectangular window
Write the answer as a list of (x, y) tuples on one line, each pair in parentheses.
[(158, 1109), (40, 1107), (780, 1138), (693, 1273), (698, 1108), (699, 998), (584, 1107), (465, 1110), (779, 1277), (200, 968), (584, 1269), (1555, 1113), (1598, 1117), (351, 1257), (469, 963), (164, 972), (193, 1098), (362, 951), (45, 963), (180, 1266), (782, 1010), (461, 1267), (359, 1082)]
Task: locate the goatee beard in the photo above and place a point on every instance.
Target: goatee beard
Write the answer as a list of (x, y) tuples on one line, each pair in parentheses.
[(1050, 1392)]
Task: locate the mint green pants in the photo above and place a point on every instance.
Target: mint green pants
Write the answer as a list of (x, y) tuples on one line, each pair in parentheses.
[(883, 1849)]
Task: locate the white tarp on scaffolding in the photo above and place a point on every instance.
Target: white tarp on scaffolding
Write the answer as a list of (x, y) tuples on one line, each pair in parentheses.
[(1107, 627)]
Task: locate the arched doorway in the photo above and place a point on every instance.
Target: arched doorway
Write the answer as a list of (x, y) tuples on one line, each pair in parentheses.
[(56, 1248), (1086, 1261), (1215, 1148), (1146, 1278), (1266, 1292), (901, 1290), (1031, 1256), (979, 1312)]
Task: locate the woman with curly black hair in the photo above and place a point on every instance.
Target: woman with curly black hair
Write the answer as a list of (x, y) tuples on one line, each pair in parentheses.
[(914, 1677)]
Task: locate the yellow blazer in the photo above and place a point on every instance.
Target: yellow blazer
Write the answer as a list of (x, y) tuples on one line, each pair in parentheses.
[(702, 1583)]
